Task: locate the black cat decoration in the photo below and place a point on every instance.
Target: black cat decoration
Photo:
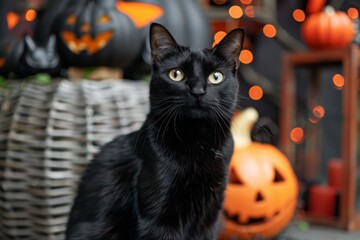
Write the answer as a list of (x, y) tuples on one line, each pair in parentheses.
[(39, 58)]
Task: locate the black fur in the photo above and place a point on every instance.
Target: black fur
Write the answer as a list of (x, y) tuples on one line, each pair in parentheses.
[(166, 181)]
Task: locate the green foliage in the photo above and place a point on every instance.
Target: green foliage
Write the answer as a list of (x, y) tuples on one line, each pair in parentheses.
[(87, 72), (3, 82), (303, 226), (42, 78)]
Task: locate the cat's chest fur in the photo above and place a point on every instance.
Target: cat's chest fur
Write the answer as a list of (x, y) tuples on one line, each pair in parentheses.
[(187, 191)]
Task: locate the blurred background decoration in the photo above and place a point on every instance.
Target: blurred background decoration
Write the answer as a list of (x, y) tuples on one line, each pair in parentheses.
[(46, 45)]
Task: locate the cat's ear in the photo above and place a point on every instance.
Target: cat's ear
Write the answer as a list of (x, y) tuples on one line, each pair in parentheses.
[(231, 45), (51, 44), (30, 43), (161, 41)]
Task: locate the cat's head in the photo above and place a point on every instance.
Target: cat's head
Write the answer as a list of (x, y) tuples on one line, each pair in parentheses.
[(194, 83)]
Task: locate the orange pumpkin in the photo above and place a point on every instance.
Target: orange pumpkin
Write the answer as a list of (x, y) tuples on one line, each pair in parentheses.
[(328, 29), (261, 196), (314, 6)]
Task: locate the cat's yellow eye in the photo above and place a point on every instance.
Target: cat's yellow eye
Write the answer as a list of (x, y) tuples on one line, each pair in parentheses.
[(176, 75), (216, 77)]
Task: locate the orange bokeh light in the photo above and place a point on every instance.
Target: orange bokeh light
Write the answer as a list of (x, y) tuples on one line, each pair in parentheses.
[(269, 30), (219, 36), (299, 15), (318, 111), (246, 1), (353, 13), (219, 2), (246, 56), (235, 12), (249, 11), (338, 81), (30, 15), (256, 93), (297, 135)]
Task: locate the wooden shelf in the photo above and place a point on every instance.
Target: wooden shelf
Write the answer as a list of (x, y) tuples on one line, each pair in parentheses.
[(349, 59)]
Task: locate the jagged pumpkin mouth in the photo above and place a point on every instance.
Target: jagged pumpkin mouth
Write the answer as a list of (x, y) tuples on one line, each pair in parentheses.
[(251, 220), (86, 42), (2, 62)]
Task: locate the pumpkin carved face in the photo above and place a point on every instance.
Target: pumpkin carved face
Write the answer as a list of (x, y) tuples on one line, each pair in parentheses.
[(262, 193), (95, 33), (91, 43)]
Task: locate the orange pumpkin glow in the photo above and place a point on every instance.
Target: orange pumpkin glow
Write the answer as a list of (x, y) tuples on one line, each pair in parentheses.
[(141, 14), (86, 42), (328, 29), (261, 196), (12, 19)]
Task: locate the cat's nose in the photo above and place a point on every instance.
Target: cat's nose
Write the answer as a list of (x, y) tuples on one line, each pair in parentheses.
[(197, 92)]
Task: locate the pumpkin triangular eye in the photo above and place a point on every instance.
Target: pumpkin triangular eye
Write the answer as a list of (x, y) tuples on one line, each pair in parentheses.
[(104, 19), (278, 176), (234, 178), (259, 197), (71, 20)]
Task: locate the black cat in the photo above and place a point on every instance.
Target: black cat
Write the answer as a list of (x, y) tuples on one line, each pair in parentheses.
[(166, 181)]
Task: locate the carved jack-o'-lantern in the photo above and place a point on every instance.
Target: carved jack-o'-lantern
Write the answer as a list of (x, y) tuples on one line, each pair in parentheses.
[(262, 193), (11, 40), (96, 33), (11, 50)]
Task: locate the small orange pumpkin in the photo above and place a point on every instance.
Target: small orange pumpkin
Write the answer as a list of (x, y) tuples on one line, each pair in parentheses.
[(328, 29), (261, 196)]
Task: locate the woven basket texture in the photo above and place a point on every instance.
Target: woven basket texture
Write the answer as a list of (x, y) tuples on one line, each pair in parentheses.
[(48, 134)]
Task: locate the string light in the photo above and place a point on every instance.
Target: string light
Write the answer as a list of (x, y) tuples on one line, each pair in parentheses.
[(297, 135), (235, 12), (30, 15), (219, 36), (338, 81), (246, 56), (249, 11), (246, 1), (269, 30), (299, 15), (255, 92), (353, 13), (318, 111)]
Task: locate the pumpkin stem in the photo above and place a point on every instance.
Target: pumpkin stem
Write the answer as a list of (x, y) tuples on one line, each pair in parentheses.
[(242, 125), (329, 10)]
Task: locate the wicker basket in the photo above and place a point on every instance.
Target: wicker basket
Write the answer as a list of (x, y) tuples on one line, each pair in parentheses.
[(48, 133)]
